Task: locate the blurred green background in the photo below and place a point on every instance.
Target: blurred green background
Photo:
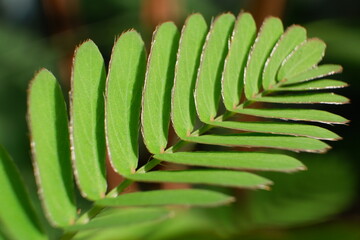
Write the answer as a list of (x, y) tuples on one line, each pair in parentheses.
[(321, 203)]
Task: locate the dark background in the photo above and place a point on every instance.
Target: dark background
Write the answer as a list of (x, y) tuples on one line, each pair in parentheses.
[(322, 203)]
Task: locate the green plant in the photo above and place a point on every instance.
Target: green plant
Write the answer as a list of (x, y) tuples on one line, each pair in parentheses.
[(184, 77)]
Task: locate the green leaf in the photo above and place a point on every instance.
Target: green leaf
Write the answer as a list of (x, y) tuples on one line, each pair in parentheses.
[(115, 218), (324, 98), (316, 72), (241, 41), (235, 160), (188, 59), (50, 146), (313, 85), (184, 197), (18, 218), (280, 128), (296, 144), (208, 84), (123, 101), (293, 36), (303, 58), (87, 120), (212, 177), (157, 90), (269, 34), (310, 115)]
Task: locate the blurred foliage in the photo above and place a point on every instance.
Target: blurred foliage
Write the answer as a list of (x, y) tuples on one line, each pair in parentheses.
[(22, 54), (316, 204), (311, 196)]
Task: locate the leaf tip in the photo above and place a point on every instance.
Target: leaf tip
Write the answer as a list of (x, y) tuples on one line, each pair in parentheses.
[(87, 42), (323, 150), (264, 187), (302, 168), (71, 222), (230, 200), (337, 138), (102, 195), (40, 72)]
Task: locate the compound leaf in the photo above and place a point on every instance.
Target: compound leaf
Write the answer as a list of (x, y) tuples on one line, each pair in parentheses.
[(235, 160), (156, 100), (184, 197), (291, 143), (212, 177), (269, 34), (293, 36), (304, 57), (188, 58), (208, 85), (123, 101), (87, 133), (280, 128), (310, 115), (313, 85), (50, 147), (233, 74), (275, 67), (316, 72), (324, 98)]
